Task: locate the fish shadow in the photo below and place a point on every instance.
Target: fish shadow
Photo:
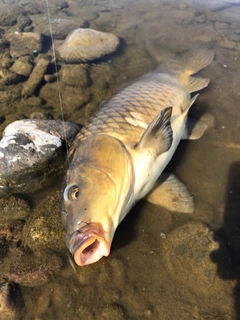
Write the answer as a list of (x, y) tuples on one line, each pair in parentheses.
[(128, 228), (230, 233)]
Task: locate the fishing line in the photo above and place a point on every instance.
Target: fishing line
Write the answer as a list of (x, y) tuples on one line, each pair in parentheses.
[(58, 84)]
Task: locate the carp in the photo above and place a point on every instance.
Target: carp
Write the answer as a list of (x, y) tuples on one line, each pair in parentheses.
[(118, 157)]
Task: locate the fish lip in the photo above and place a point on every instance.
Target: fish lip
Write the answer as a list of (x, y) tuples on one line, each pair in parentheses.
[(88, 244)]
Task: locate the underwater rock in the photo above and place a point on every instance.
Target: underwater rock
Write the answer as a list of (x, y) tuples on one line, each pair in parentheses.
[(24, 23), (8, 77), (10, 299), (44, 230), (25, 43), (104, 19), (6, 62), (31, 153), (22, 66), (27, 269), (87, 45), (61, 26), (74, 75), (13, 208), (36, 76), (72, 98), (9, 14), (187, 252), (114, 311)]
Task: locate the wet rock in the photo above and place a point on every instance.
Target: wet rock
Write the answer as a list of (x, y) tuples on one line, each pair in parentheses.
[(9, 14), (228, 44), (187, 254), (89, 15), (24, 23), (74, 75), (183, 16), (113, 311), (213, 5), (31, 102), (200, 19), (72, 98), (50, 78), (61, 26), (40, 115), (25, 43), (44, 229), (105, 18), (31, 153), (221, 26), (11, 231), (13, 208), (228, 15), (4, 45), (8, 77), (36, 76), (87, 45), (204, 34), (6, 62), (22, 66), (29, 269), (10, 301)]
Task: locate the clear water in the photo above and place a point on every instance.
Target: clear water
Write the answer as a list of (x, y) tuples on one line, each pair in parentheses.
[(137, 281)]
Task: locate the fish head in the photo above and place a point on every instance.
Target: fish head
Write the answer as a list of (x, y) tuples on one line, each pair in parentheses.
[(96, 191)]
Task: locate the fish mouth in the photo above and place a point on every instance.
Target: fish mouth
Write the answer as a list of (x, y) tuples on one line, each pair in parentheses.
[(88, 244)]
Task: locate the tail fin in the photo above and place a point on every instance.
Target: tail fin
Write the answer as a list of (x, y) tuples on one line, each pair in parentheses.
[(190, 63), (193, 61)]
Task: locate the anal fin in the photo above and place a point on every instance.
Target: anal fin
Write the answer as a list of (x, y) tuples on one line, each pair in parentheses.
[(194, 129), (171, 194), (194, 83)]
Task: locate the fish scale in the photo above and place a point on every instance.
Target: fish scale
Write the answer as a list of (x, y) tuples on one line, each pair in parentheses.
[(146, 97)]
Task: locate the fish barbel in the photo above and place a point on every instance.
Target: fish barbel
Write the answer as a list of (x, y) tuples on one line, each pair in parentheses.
[(116, 159)]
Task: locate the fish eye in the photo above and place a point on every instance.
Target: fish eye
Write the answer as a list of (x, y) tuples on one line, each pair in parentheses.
[(71, 193)]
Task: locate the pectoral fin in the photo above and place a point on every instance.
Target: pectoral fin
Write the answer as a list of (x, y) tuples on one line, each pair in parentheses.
[(159, 134), (172, 194)]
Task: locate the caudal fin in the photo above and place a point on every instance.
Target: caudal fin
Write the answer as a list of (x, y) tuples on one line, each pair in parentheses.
[(193, 61), (190, 63)]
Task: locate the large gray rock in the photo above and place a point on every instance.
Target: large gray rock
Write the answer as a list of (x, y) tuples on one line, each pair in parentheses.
[(31, 153), (87, 45)]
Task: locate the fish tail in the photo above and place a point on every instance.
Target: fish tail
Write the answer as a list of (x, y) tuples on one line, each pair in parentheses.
[(192, 62)]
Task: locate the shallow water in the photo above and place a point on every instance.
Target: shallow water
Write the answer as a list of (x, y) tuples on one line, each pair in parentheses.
[(145, 276)]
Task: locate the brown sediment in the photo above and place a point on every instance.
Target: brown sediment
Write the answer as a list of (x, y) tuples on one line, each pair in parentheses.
[(229, 145)]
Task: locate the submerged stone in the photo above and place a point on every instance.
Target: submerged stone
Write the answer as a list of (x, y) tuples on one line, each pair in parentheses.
[(28, 269), (44, 230), (25, 43), (193, 251), (87, 45), (10, 299), (31, 153)]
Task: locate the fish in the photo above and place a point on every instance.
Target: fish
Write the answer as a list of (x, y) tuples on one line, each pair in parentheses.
[(119, 156)]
